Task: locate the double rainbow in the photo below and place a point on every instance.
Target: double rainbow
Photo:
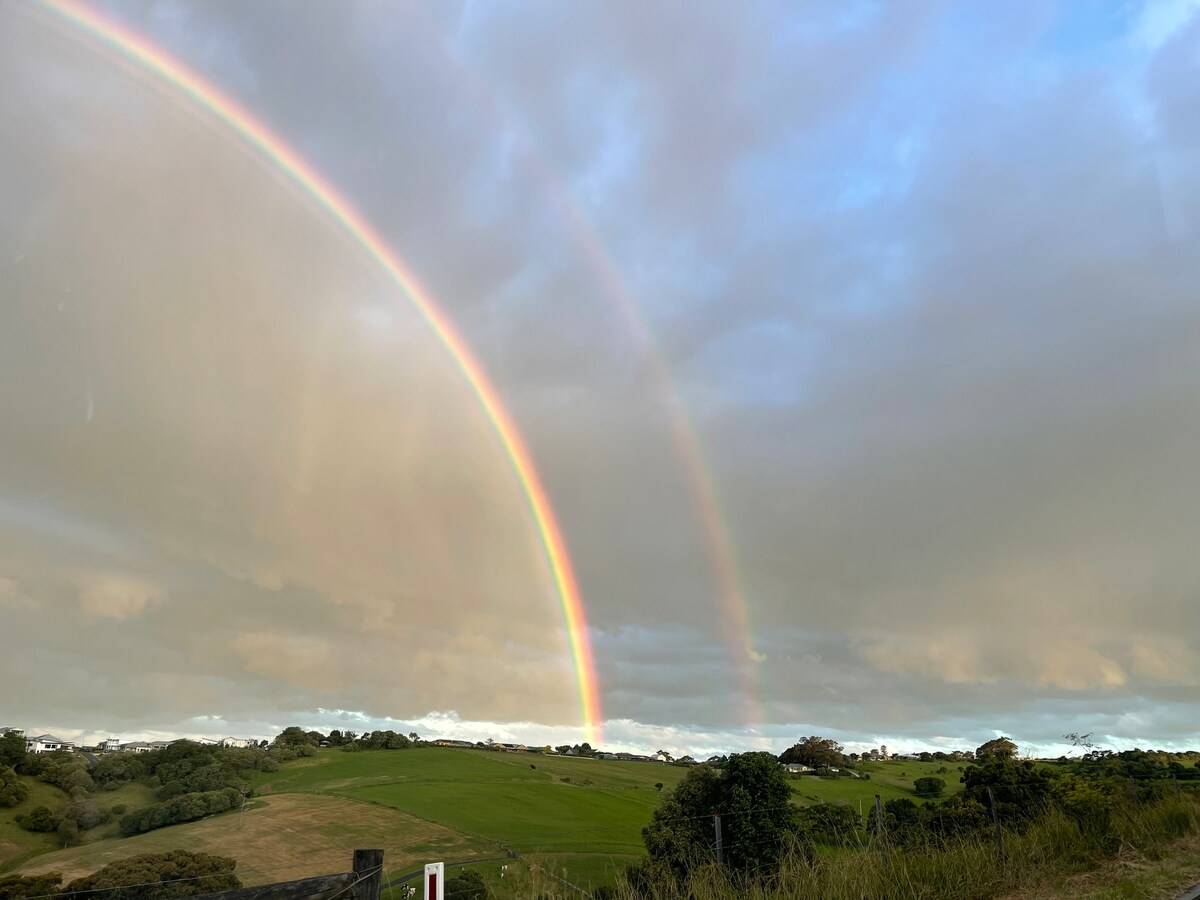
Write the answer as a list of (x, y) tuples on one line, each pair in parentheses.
[(187, 84)]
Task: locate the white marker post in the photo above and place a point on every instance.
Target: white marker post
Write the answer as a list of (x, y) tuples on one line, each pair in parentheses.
[(435, 881)]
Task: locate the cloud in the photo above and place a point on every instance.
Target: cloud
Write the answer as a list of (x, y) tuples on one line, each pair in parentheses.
[(922, 279), (106, 596)]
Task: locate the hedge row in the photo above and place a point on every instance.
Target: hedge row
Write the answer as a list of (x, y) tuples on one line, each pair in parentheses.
[(186, 808)]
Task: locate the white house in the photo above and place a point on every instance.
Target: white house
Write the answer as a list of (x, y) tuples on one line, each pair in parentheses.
[(137, 747), (10, 730), (797, 768), (237, 742), (111, 745), (47, 743)]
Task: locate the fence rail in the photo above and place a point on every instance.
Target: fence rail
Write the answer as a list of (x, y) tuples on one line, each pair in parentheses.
[(363, 882)]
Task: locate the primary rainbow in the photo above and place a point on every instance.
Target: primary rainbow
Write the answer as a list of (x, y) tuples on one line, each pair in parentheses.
[(272, 148)]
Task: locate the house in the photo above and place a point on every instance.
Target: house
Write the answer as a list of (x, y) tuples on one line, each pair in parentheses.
[(797, 768), (240, 743), (208, 742), (47, 743), (19, 732), (137, 747), (660, 756), (112, 745)]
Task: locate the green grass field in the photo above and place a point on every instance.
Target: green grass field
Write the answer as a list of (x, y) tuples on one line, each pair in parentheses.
[(581, 818), (17, 844)]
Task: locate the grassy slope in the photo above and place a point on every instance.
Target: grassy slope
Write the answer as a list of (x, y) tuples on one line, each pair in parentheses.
[(16, 843), (282, 838), (586, 825), (890, 780), (578, 815)]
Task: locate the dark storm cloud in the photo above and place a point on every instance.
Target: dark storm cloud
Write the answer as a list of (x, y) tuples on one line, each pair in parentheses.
[(926, 281)]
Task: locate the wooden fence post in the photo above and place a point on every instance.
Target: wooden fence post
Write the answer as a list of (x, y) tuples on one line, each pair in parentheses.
[(368, 867), (996, 822)]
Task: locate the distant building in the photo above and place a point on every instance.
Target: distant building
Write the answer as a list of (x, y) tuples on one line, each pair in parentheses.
[(137, 747), (112, 745), (797, 768), (239, 743), (20, 732), (47, 743)]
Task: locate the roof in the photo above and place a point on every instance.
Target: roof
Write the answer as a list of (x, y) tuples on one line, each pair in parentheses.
[(50, 739)]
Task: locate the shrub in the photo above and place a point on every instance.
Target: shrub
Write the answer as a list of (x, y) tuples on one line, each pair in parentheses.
[(467, 886), (159, 876), (929, 786), (19, 887), (12, 790), (40, 819), (185, 808)]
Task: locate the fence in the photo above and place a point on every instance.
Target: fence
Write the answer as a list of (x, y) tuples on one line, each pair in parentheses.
[(362, 882)]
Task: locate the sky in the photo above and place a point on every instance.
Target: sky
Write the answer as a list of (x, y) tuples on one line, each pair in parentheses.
[(857, 347)]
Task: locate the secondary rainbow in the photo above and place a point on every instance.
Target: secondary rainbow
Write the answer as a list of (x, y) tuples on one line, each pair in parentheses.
[(187, 83), (733, 609)]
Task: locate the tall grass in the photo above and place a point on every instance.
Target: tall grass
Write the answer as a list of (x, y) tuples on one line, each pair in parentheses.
[(1054, 846)]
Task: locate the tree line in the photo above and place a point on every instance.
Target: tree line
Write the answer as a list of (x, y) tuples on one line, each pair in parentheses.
[(761, 827)]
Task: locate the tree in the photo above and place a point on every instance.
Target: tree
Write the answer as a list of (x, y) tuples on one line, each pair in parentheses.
[(757, 817), (294, 736), (1021, 789), (12, 750), (68, 832), (818, 752), (1080, 740), (658, 786), (929, 786), (563, 748), (998, 748), (12, 789), (159, 876)]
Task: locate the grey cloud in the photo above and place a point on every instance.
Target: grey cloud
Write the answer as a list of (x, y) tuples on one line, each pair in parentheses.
[(927, 289)]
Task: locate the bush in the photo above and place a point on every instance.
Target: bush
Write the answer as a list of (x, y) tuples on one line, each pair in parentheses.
[(467, 886), (186, 808), (159, 876), (12, 789), (68, 832), (85, 813), (40, 819), (19, 887), (929, 786)]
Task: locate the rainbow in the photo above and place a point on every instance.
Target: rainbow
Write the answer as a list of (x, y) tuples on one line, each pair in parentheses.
[(730, 598), (184, 82)]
